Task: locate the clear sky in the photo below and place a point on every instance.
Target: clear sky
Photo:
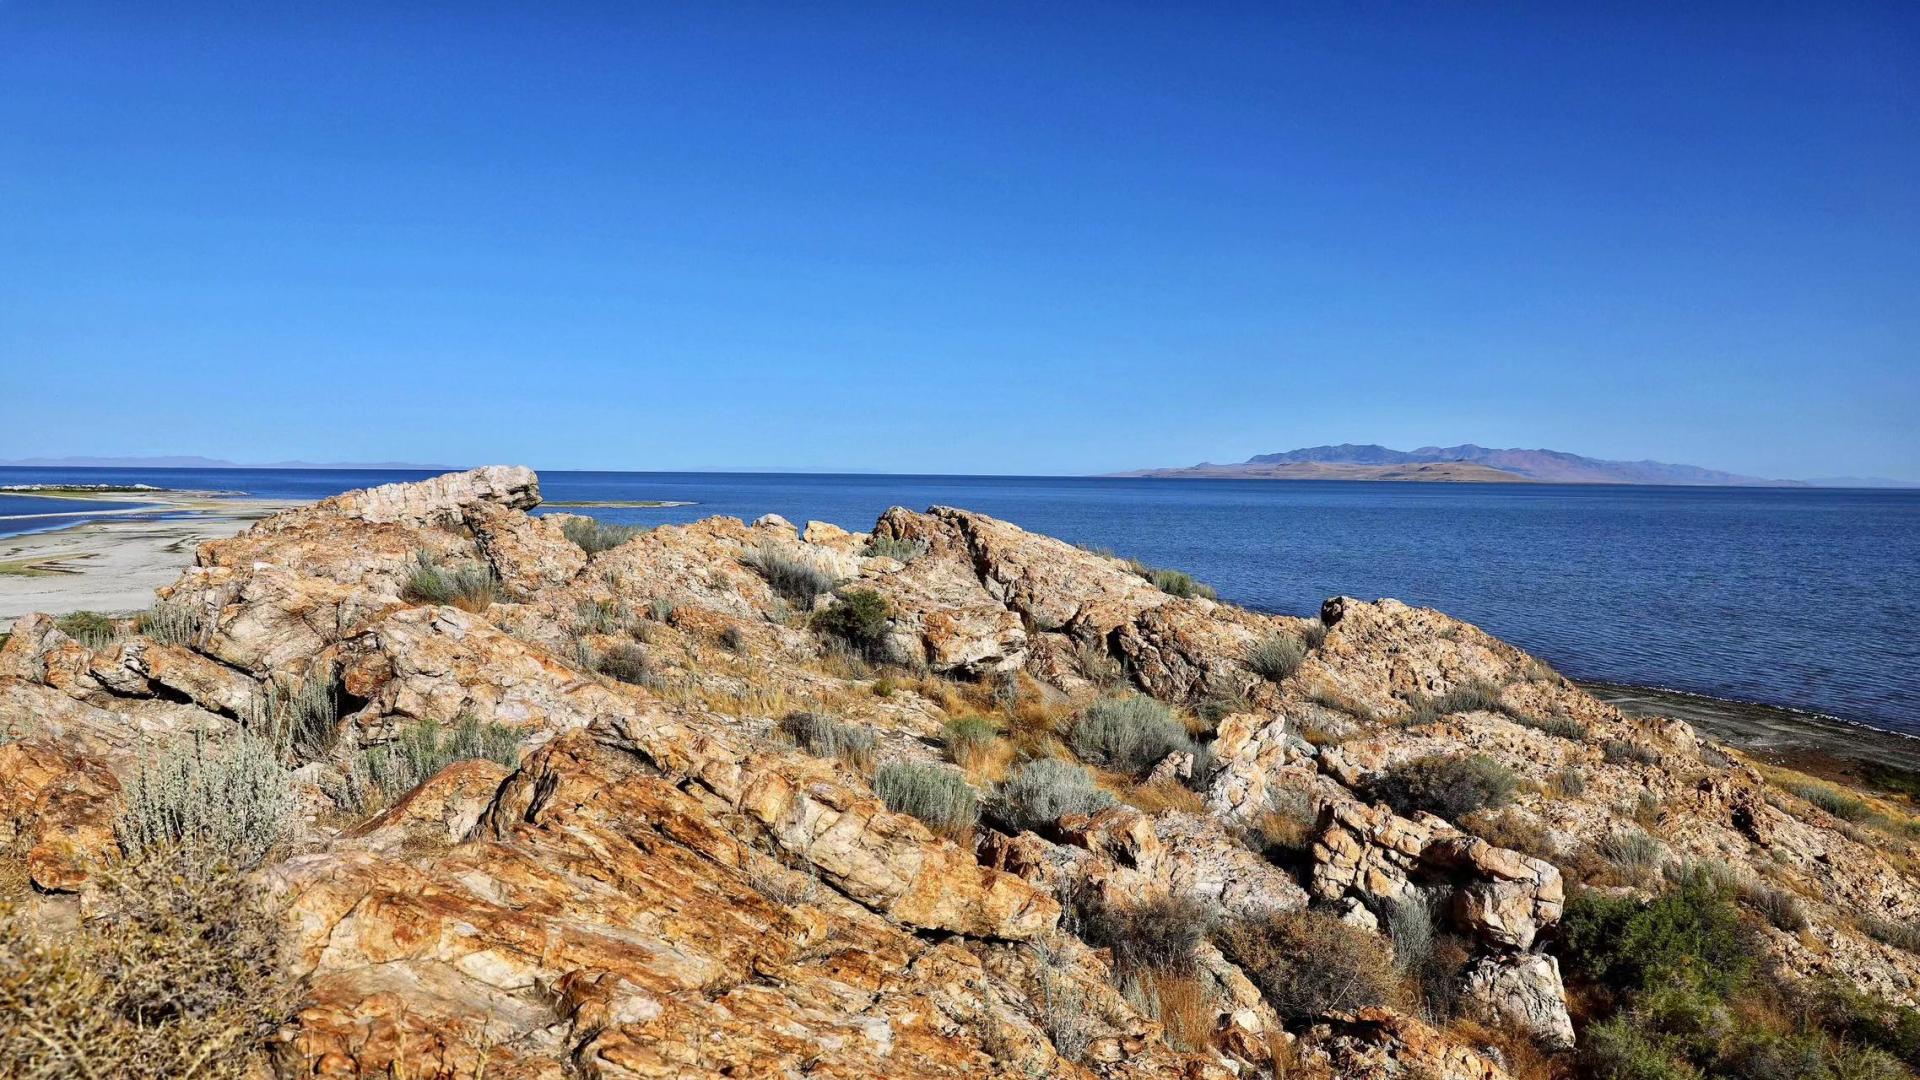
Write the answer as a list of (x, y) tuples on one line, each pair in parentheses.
[(909, 237)]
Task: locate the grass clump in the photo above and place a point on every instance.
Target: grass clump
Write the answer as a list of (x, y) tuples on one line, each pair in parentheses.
[(896, 548), (1622, 752), (1178, 583), (470, 587), (1156, 947), (1309, 963), (592, 537), (1450, 786), (625, 662), (1276, 656), (1128, 734), (1630, 849), (302, 719), (1900, 935), (1043, 791), (937, 795), (167, 623), (231, 802), (89, 628), (382, 774), (178, 973), (825, 737), (791, 575), (971, 742), (1470, 697), (1560, 727), (860, 618), (600, 617), (1840, 804)]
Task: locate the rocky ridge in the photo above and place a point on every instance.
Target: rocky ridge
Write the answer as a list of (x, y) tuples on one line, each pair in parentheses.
[(662, 884)]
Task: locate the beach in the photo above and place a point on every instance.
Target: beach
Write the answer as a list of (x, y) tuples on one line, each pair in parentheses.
[(113, 564)]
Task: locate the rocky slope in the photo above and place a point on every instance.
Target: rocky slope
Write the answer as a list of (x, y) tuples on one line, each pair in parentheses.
[(664, 882)]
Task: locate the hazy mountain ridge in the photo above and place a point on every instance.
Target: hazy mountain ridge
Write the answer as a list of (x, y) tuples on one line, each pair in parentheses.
[(1550, 466)]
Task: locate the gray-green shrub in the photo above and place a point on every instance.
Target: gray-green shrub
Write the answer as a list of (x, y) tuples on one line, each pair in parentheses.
[(170, 623), (790, 574), (232, 801), (1128, 734), (1622, 752), (896, 548), (823, 736), (1275, 657), (1560, 727), (600, 617), (937, 795), (1178, 583), (627, 663), (301, 719), (381, 774), (1043, 791), (593, 537), (1629, 849), (469, 586)]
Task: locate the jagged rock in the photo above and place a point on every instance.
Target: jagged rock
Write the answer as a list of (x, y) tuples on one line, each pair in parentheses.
[(1502, 897), (1524, 990), (437, 501), (528, 553), (1380, 1044), (58, 807)]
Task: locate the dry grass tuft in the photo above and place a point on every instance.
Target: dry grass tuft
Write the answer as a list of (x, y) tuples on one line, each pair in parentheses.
[(179, 974)]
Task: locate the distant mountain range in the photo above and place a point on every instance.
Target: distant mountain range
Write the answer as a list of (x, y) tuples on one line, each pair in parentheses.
[(199, 463), (1471, 463)]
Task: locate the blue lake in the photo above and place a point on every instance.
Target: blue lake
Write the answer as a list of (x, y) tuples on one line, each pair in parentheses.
[(1795, 597)]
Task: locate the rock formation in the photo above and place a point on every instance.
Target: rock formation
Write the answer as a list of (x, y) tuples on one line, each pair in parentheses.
[(662, 881)]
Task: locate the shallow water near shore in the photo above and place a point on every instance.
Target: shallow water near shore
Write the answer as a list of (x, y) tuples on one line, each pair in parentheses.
[(1803, 598)]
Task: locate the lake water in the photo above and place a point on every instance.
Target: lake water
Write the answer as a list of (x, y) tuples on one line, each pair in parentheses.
[(1808, 599), (28, 513)]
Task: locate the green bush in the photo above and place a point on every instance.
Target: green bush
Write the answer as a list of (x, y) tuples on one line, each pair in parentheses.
[(469, 587), (1446, 785), (936, 794), (1618, 1049), (823, 736), (1309, 963), (1275, 657), (1043, 791), (230, 802), (790, 574), (896, 548), (592, 537), (89, 628), (382, 774), (1689, 934), (860, 617), (1129, 734)]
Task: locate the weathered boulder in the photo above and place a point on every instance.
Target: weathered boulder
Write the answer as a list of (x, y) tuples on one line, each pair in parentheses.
[(1524, 990), (57, 812)]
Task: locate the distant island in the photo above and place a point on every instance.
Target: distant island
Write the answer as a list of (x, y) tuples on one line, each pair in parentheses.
[(1466, 463)]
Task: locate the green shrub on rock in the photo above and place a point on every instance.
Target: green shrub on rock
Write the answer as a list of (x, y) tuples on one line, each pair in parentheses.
[(1045, 790), (860, 617), (1450, 786), (936, 794), (1128, 734)]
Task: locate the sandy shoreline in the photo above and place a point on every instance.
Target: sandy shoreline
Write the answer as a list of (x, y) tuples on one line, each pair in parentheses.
[(114, 564)]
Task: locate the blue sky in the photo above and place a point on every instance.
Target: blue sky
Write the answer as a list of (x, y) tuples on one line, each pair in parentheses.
[(1030, 238)]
